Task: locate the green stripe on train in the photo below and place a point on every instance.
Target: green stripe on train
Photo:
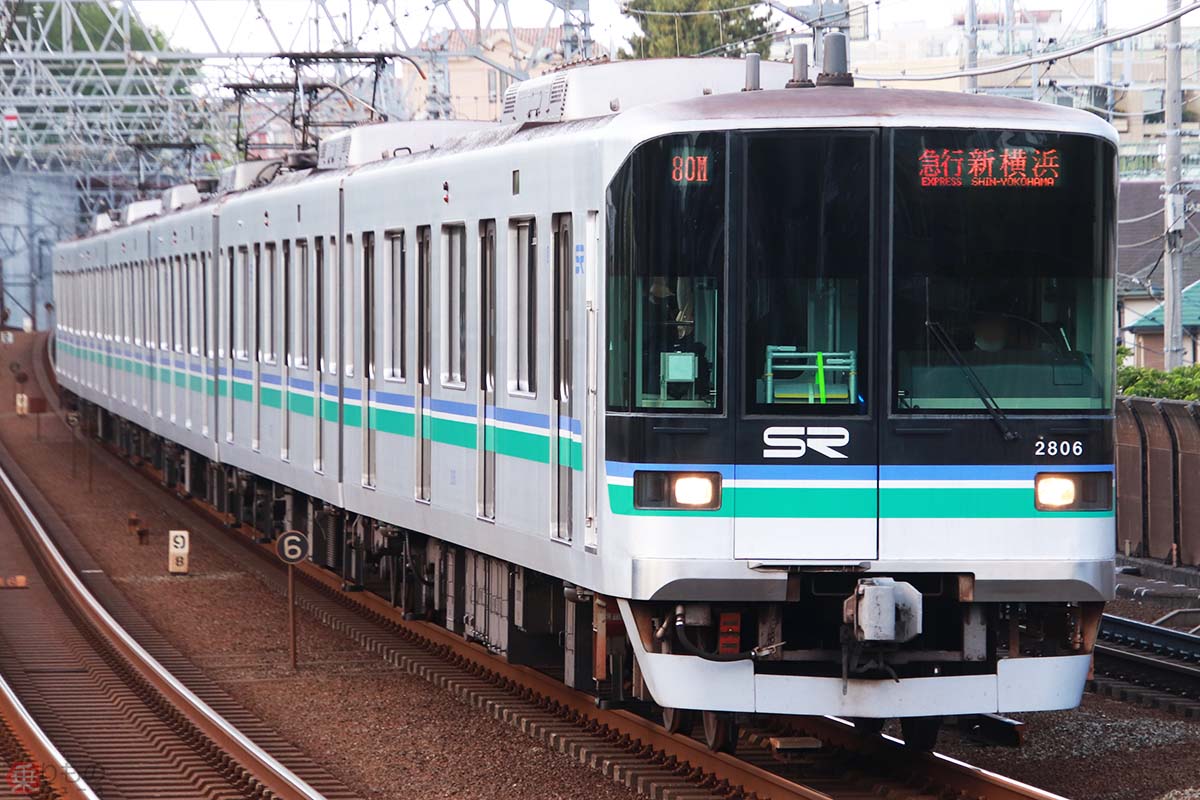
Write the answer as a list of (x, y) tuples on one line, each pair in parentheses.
[(514, 444), (760, 502), (838, 503), (966, 502)]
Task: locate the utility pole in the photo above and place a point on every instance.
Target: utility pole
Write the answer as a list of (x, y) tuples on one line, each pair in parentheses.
[(972, 46), (1173, 197), (1103, 67), (1009, 24)]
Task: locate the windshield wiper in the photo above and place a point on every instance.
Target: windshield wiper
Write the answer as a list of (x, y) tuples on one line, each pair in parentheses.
[(989, 402)]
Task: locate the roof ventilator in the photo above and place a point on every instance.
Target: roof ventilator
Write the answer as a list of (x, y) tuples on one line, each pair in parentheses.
[(836, 70), (800, 78), (753, 82)]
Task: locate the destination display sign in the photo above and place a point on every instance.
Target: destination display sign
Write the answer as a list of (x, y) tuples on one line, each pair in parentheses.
[(1022, 167), (690, 167)]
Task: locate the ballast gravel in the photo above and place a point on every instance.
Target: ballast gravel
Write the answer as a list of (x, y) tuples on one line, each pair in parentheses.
[(384, 732)]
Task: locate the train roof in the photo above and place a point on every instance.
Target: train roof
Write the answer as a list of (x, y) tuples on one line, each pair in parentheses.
[(869, 107), (635, 102)]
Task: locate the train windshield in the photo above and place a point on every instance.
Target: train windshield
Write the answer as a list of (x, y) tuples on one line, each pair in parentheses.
[(666, 281), (1002, 271), (808, 224)]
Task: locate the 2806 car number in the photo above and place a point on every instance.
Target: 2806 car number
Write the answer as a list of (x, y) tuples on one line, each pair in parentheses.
[(1055, 447)]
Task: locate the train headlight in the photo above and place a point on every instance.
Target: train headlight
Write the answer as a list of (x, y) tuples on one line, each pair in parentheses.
[(696, 491), (1074, 491), (662, 489), (1055, 492)]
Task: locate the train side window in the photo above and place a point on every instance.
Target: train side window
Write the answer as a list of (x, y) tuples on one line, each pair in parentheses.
[(267, 292), (202, 282), (177, 290), (240, 278), (454, 286), (147, 305), (397, 318), (119, 301), (186, 275), (195, 306), (522, 322), (287, 319), (322, 306), (301, 318), (330, 308), (349, 287), (164, 294), (135, 302), (225, 303)]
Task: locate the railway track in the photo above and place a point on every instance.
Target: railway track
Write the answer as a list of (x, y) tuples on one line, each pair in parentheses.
[(32, 765), (811, 758), (95, 700), (1148, 664)]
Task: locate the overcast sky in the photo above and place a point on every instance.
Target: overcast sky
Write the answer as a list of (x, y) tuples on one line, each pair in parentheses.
[(232, 21)]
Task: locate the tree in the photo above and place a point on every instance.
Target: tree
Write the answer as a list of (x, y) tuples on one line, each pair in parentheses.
[(671, 28), (1181, 383)]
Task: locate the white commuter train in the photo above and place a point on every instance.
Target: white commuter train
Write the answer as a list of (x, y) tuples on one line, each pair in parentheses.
[(789, 401)]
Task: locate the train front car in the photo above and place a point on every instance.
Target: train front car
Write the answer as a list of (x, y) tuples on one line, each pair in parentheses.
[(859, 390)]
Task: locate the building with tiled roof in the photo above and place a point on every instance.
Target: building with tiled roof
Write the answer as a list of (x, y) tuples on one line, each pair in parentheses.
[(1149, 330), (1140, 270)]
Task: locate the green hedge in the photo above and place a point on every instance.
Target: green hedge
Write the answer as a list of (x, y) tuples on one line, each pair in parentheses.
[(1181, 383)]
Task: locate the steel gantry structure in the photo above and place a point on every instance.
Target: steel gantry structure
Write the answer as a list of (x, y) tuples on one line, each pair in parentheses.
[(107, 100)]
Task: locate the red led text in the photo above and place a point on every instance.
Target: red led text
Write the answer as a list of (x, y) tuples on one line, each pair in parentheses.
[(1010, 166), (689, 169)]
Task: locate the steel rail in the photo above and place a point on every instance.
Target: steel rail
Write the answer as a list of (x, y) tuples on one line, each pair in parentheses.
[(273, 775), (1151, 661), (969, 780), (1148, 636), (65, 780)]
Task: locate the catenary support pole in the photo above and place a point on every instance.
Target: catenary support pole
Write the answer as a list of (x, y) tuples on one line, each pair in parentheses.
[(1173, 198)]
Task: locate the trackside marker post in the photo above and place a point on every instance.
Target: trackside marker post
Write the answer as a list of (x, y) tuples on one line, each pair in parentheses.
[(178, 547), (292, 548)]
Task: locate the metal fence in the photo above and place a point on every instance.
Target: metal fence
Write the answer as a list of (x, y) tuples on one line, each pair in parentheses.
[(1158, 479)]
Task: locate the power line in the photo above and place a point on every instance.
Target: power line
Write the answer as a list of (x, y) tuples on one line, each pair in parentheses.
[(625, 9), (1044, 58), (1154, 213)]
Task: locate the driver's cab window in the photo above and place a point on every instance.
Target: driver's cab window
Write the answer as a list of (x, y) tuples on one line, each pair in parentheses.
[(666, 279), (807, 257)]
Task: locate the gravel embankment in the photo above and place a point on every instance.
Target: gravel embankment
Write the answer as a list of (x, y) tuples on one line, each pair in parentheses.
[(384, 732)]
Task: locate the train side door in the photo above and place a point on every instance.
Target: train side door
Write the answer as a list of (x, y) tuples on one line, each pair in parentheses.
[(257, 297), (566, 428), (367, 369), (806, 484), (487, 370)]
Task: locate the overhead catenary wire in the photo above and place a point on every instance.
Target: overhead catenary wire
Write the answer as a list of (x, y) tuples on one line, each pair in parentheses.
[(1088, 106), (626, 9), (1143, 243), (1142, 218), (1044, 58)]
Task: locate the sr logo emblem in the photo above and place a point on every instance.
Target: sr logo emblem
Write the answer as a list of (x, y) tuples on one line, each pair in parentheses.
[(786, 442)]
